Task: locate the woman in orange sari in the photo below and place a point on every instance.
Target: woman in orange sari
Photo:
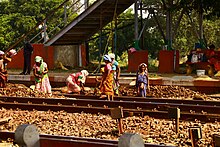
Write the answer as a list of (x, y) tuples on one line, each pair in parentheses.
[(106, 86)]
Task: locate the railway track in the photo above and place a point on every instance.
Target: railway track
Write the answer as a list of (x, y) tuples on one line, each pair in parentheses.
[(190, 110), (149, 99), (70, 141), (196, 106), (206, 111)]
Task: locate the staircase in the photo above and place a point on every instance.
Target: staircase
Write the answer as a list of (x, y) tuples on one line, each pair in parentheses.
[(76, 22), (90, 21)]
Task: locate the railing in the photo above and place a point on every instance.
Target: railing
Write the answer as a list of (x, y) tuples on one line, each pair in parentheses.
[(55, 21)]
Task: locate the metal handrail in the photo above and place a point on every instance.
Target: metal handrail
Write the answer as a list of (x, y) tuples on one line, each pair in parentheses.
[(48, 18), (63, 22), (67, 9), (29, 32), (36, 35)]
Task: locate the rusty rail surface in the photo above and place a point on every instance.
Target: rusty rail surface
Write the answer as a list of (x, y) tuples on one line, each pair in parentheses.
[(195, 106), (70, 141), (142, 99), (156, 110)]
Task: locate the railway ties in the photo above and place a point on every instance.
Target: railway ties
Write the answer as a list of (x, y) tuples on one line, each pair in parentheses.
[(153, 107), (190, 109), (196, 106)]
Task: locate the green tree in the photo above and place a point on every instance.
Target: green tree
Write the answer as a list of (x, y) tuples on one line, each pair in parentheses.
[(187, 33), (20, 16), (105, 43)]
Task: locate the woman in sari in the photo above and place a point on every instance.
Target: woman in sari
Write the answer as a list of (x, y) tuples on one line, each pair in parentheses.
[(75, 81), (40, 70), (106, 86), (116, 72), (142, 80), (6, 59), (3, 72)]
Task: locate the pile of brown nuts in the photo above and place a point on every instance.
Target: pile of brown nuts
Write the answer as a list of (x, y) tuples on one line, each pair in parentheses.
[(103, 126), (25, 92), (174, 92), (158, 91)]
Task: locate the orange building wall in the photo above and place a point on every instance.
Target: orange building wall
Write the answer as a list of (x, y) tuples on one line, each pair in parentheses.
[(136, 58), (39, 50), (166, 61)]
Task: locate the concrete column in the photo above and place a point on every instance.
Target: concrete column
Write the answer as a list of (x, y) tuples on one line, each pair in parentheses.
[(80, 56), (136, 20), (130, 140), (27, 136)]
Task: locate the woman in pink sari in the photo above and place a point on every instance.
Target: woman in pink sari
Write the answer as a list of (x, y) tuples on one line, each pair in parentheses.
[(40, 70), (75, 81)]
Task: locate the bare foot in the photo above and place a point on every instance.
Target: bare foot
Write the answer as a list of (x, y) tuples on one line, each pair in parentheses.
[(102, 96)]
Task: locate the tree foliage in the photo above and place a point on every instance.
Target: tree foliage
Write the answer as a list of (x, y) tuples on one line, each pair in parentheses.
[(17, 17), (185, 36), (105, 42)]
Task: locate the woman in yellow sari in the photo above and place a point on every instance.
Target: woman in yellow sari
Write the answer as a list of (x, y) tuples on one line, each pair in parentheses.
[(106, 86)]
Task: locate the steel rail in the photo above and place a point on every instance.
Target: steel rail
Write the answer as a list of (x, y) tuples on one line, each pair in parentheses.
[(142, 99), (107, 111), (215, 96), (70, 141), (190, 106)]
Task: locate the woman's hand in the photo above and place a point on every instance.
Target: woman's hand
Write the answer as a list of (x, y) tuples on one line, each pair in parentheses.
[(142, 86), (44, 72), (38, 76)]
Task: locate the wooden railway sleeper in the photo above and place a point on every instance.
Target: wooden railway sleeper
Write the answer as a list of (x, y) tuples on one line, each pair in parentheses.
[(133, 113)]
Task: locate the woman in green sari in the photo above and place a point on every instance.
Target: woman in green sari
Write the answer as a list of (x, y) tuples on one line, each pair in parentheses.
[(40, 70)]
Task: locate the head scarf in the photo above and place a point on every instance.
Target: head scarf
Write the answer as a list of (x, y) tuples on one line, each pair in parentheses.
[(107, 58), (38, 59), (2, 53), (112, 56), (85, 73), (142, 64), (82, 78), (12, 52)]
